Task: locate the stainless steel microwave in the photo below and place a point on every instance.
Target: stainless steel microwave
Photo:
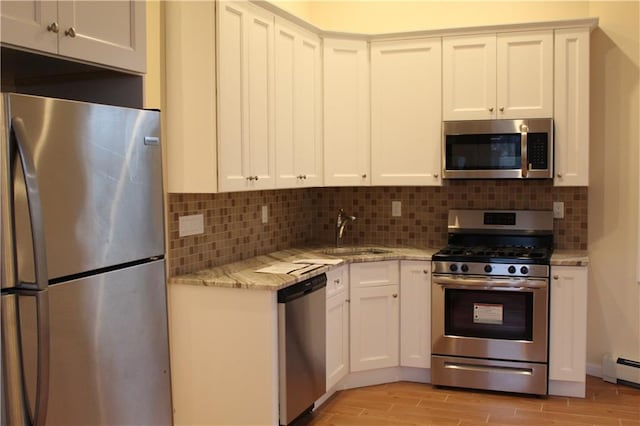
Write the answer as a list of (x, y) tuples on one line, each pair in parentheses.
[(498, 149)]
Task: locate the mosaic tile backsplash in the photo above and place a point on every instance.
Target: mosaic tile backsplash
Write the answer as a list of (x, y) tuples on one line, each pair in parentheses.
[(233, 228)]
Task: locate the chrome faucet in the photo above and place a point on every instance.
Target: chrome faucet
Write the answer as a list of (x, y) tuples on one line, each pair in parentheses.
[(340, 224)]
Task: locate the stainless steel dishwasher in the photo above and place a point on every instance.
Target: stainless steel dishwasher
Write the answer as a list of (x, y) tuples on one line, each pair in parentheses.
[(301, 346)]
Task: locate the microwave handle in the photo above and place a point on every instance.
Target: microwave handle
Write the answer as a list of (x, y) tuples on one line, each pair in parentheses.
[(524, 162)]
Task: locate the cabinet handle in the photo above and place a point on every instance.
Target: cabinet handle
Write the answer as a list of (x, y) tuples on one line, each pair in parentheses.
[(364, 176), (53, 27), (490, 109), (395, 295), (71, 32), (556, 277), (501, 109)]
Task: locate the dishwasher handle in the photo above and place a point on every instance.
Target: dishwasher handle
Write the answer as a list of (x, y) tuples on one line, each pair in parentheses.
[(302, 288)]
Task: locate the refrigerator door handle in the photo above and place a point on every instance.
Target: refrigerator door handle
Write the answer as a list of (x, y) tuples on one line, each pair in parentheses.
[(35, 207), (17, 403)]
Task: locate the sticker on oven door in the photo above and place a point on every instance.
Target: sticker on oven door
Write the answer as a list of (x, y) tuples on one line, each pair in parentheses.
[(485, 313)]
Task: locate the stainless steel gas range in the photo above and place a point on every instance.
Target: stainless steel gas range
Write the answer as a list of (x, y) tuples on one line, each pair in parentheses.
[(490, 297)]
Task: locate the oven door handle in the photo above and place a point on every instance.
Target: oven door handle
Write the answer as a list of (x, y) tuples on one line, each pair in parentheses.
[(489, 283)]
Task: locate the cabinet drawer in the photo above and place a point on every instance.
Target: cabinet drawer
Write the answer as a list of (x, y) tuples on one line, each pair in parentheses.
[(375, 274)]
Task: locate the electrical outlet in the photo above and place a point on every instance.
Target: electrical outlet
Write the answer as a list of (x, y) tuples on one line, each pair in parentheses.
[(265, 214), (190, 225), (558, 210), (396, 208)]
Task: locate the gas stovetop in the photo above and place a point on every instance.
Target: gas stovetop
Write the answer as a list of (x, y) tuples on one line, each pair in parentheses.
[(502, 254)]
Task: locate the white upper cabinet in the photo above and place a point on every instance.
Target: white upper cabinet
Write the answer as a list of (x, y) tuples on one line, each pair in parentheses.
[(190, 84), (346, 113), (571, 109), (508, 75), (298, 107), (80, 30), (406, 89), (246, 151)]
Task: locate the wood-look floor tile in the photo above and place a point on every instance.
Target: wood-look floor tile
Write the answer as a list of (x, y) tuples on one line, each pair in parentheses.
[(395, 404)]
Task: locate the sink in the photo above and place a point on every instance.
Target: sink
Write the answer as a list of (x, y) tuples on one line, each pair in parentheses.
[(354, 251)]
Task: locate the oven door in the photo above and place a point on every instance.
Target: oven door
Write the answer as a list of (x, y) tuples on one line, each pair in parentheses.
[(501, 318)]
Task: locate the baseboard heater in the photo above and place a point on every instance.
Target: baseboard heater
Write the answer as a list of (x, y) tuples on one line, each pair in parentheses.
[(621, 371)]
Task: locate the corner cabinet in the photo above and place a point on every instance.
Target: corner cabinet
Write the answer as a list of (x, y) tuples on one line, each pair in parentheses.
[(298, 107), (496, 76), (337, 356), (415, 313), (79, 30), (571, 110), (346, 113), (568, 331), (406, 87), (246, 148), (375, 309)]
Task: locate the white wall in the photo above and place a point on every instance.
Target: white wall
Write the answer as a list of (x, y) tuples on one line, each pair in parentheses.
[(614, 295)]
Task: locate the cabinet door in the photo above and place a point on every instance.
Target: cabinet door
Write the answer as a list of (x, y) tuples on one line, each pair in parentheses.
[(190, 113), (346, 113), (568, 323), (469, 77), (415, 314), (406, 116), (245, 95), (525, 75), (297, 107), (24, 24), (337, 337), (87, 32), (374, 327), (571, 109)]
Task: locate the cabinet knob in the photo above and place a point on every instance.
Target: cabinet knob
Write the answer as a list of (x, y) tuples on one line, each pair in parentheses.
[(490, 109), (71, 32), (556, 277), (347, 300), (304, 176), (426, 271), (53, 27), (501, 109), (435, 175), (559, 175), (255, 178), (395, 295), (364, 176)]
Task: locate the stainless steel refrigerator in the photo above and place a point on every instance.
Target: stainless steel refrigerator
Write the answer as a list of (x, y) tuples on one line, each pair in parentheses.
[(84, 313)]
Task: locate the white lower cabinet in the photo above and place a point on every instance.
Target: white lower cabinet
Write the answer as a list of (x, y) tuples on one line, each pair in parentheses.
[(375, 315), (415, 313), (568, 330), (337, 353)]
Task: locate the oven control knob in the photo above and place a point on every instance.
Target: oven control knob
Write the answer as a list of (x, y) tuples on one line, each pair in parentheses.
[(453, 267), (488, 268), (524, 270), (464, 268), (512, 269)]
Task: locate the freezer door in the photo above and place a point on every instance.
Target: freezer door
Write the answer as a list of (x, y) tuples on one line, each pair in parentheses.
[(99, 173), (109, 351)]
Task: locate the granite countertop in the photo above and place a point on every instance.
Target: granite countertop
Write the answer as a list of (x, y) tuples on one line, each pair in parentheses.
[(569, 258), (243, 274)]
